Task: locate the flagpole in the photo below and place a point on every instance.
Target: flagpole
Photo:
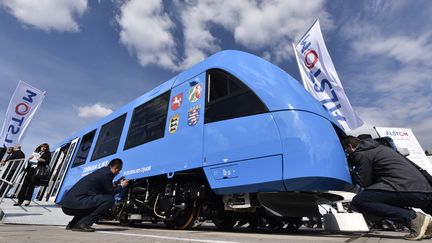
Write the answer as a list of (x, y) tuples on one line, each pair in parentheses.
[(316, 20), (303, 81), (376, 131)]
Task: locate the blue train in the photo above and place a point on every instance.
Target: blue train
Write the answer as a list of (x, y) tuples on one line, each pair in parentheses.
[(230, 139)]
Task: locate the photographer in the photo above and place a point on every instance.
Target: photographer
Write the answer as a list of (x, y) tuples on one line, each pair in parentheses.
[(390, 186), (92, 196)]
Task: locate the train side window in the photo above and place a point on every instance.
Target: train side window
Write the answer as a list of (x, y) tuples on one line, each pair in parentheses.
[(109, 138), (218, 88), (84, 149), (228, 97), (148, 121)]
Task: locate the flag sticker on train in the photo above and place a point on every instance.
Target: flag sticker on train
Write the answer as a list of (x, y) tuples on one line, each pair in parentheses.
[(195, 92), (193, 115), (174, 123), (176, 101)]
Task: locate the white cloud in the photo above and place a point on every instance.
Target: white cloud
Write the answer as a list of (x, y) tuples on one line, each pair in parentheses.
[(58, 15), (395, 66), (266, 27), (395, 117), (373, 116), (413, 113), (94, 111), (392, 70), (263, 26), (423, 133), (146, 32), (404, 49)]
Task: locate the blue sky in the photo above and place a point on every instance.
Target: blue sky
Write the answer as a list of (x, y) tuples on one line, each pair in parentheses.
[(94, 56)]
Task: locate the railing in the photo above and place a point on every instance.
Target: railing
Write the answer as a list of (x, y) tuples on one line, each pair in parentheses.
[(11, 175)]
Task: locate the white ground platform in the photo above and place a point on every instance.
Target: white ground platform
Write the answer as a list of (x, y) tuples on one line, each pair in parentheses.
[(38, 213)]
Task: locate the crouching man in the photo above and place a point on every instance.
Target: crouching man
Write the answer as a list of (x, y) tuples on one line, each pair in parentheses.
[(92, 196), (391, 186)]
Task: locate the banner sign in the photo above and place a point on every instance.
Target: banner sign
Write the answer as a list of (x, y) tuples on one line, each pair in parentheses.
[(404, 138), (321, 80), (22, 107)]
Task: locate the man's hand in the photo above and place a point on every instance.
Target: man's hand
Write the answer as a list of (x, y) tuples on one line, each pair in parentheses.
[(124, 183), (117, 182)]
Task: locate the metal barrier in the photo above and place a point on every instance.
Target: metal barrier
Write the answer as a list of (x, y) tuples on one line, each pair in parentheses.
[(11, 174)]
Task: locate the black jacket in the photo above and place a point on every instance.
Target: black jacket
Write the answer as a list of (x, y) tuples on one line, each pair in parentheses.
[(16, 154), (377, 167), (47, 157), (82, 194)]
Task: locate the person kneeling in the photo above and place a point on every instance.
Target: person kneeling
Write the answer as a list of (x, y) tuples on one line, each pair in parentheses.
[(92, 196), (391, 185)]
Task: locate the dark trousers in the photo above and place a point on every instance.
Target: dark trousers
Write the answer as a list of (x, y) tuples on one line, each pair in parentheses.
[(392, 205), (89, 216), (27, 187)]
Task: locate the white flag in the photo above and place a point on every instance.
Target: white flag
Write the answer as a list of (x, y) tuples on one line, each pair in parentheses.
[(321, 80), (22, 107)]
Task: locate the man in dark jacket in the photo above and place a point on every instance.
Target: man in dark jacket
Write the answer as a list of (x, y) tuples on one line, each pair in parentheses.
[(14, 153), (91, 196), (391, 184)]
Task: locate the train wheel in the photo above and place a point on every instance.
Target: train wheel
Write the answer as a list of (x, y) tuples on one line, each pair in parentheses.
[(186, 218), (225, 220), (124, 221), (270, 223), (293, 224)]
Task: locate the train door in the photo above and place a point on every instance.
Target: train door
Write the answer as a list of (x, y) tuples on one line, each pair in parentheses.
[(43, 191), (240, 135), (61, 168), (185, 120), (56, 168)]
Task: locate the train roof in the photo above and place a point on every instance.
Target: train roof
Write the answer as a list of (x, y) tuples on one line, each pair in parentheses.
[(276, 88)]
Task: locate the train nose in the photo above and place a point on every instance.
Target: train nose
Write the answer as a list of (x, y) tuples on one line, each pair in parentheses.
[(313, 157)]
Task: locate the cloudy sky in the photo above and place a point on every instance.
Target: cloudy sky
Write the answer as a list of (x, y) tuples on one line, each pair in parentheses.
[(94, 56)]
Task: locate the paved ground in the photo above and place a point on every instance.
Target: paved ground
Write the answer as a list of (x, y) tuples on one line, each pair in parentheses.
[(38, 213), (150, 233), (36, 223)]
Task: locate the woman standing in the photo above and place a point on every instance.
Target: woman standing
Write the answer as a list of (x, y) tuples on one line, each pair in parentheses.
[(41, 158)]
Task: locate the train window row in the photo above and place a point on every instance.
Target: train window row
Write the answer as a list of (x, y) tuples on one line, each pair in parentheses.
[(148, 121), (109, 138), (226, 98), (84, 148)]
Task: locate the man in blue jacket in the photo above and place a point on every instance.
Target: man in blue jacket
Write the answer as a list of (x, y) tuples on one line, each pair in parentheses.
[(92, 196), (391, 185)]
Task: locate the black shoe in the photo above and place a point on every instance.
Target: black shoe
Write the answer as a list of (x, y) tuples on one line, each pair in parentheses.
[(70, 225), (83, 228), (17, 204)]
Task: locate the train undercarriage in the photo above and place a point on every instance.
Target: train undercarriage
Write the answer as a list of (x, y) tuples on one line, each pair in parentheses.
[(186, 201)]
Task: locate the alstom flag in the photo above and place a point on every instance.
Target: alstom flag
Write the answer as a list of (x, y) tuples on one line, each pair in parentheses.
[(321, 80), (22, 107)]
